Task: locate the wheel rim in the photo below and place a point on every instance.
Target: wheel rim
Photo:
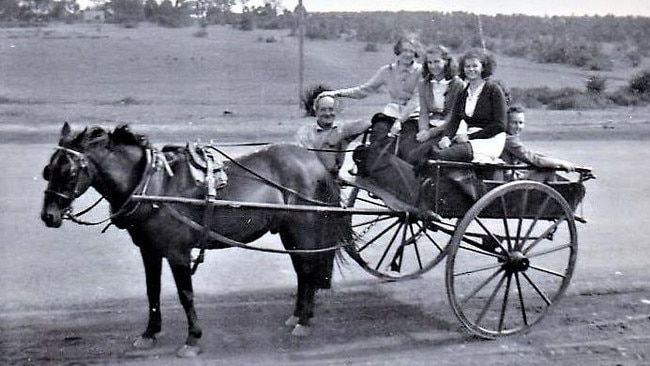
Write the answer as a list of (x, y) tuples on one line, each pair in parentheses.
[(395, 246), (506, 271)]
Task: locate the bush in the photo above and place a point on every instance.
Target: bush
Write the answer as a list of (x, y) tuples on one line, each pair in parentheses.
[(371, 47), (623, 97), (596, 84), (579, 101), (168, 15), (640, 84)]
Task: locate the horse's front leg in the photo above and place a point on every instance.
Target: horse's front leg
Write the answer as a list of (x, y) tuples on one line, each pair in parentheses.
[(304, 307), (183, 278), (153, 268)]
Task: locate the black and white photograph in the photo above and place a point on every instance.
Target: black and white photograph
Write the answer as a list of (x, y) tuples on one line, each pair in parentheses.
[(324, 182)]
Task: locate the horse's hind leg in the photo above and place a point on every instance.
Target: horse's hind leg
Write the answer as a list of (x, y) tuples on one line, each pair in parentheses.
[(153, 269), (183, 278)]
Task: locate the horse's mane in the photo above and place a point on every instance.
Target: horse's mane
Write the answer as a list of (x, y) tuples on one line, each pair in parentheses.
[(122, 135)]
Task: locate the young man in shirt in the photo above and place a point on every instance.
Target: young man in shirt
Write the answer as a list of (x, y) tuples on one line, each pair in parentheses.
[(328, 137), (516, 152)]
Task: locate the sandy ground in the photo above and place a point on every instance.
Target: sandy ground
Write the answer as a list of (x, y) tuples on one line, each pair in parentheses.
[(73, 296)]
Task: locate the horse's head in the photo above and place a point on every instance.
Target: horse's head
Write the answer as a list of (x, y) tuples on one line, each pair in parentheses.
[(70, 172)]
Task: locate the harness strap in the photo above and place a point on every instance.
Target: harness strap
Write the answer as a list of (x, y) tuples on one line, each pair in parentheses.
[(211, 194), (237, 244)]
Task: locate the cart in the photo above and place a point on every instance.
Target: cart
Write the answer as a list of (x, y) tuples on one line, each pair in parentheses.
[(511, 245)]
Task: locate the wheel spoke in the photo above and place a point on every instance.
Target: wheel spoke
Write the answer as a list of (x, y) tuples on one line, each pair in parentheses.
[(490, 300), (366, 200), (537, 289), (505, 222), (548, 251), (521, 299), (551, 272), (480, 269), (479, 251), (359, 250), (424, 231), (373, 221), (390, 244), (520, 221), (415, 247), (480, 286), (532, 225), (490, 234), (504, 305), (549, 230), (433, 241)]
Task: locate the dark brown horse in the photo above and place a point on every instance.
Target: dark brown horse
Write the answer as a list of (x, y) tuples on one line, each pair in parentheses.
[(119, 163)]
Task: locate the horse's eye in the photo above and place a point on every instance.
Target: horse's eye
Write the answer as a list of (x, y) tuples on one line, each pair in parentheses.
[(47, 173)]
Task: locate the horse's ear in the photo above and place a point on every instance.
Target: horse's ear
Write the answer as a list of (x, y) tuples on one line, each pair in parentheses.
[(66, 131)]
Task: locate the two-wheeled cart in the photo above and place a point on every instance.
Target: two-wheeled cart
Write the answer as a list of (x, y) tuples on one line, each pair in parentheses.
[(511, 245)]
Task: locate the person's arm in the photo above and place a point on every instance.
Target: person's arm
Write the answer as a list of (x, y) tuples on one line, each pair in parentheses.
[(353, 129), (451, 126), (305, 138), (521, 152), (496, 122), (363, 90), (423, 119)]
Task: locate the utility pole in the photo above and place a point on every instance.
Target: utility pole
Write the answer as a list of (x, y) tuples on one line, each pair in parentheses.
[(301, 11)]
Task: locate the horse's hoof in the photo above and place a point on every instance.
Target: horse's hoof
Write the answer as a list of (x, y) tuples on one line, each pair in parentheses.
[(144, 343), (301, 331), (188, 351), (292, 321)]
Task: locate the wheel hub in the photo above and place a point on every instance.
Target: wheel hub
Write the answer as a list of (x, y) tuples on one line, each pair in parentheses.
[(517, 262)]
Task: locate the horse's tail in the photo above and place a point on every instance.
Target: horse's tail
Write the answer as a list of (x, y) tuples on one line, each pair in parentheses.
[(339, 226), (334, 229)]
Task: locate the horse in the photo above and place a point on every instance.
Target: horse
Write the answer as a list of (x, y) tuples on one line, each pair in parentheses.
[(120, 163)]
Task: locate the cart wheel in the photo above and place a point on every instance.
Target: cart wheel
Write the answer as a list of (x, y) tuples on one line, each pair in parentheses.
[(394, 246), (511, 258)]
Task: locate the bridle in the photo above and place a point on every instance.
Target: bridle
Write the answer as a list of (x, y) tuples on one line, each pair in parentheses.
[(80, 164)]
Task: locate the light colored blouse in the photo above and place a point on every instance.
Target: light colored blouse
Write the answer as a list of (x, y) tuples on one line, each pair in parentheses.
[(401, 82)]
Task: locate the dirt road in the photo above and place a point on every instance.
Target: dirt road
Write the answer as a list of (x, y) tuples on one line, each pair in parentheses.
[(74, 296)]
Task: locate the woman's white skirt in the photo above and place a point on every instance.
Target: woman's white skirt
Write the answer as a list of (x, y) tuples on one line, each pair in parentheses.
[(484, 150)]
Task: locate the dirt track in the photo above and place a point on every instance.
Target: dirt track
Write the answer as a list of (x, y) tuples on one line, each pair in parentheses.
[(75, 296), (355, 326)]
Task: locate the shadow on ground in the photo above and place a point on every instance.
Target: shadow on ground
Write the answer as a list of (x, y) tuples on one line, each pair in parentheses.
[(251, 324)]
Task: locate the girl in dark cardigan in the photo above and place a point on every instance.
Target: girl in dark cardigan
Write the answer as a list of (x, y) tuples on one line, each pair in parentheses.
[(476, 129)]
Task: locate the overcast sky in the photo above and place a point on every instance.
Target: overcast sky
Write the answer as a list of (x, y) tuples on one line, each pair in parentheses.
[(531, 7)]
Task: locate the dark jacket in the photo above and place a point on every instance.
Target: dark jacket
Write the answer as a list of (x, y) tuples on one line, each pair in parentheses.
[(489, 114), (426, 96)]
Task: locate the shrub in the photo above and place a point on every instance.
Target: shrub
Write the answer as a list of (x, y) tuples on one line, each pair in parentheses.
[(640, 83), (623, 97), (371, 47), (579, 101), (596, 84)]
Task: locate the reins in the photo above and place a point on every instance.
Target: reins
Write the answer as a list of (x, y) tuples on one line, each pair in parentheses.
[(234, 243), (270, 182), (141, 189)]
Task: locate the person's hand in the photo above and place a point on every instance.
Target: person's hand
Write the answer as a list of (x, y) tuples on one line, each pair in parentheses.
[(566, 165), (444, 142), (329, 93), (461, 138), (422, 136), (395, 128)]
